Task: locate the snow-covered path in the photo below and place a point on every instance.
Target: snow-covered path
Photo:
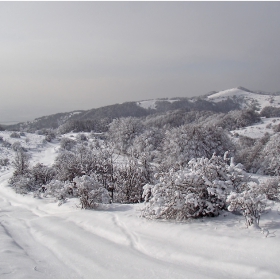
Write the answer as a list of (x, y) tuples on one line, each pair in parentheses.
[(39, 239), (42, 240)]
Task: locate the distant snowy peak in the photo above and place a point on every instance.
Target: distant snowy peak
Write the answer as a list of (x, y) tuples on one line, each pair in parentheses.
[(233, 92), (151, 104), (247, 98)]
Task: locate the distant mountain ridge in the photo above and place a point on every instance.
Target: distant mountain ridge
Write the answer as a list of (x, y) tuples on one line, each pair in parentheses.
[(222, 101)]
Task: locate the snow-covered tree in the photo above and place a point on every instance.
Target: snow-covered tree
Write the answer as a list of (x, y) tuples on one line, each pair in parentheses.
[(271, 156), (21, 162), (148, 142), (129, 181), (192, 141), (122, 132)]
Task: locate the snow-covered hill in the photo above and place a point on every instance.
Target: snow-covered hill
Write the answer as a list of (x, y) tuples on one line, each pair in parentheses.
[(152, 103), (246, 98)]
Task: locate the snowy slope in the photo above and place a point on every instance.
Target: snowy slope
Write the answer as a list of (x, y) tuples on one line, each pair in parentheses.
[(260, 129), (248, 98), (151, 104), (39, 239)]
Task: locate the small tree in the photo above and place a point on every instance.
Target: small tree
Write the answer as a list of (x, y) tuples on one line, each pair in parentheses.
[(21, 162)]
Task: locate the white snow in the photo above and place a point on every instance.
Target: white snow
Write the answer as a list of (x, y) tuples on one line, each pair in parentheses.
[(151, 104), (263, 100), (260, 129), (39, 239)]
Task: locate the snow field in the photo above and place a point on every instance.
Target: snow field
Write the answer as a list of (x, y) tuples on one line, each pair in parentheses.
[(263, 100), (258, 130)]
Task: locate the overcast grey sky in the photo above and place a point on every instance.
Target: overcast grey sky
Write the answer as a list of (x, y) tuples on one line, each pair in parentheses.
[(62, 56)]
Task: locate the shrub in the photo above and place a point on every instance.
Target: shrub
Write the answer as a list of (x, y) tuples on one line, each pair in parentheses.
[(22, 183), (192, 141), (15, 135), (67, 144), (270, 156), (21, 163), (4, 161), (199, 190), (129, 180), (271, 188), (6, 144), (90, 192), (250, 202), (17, 146), (57, 189), (81, 137)]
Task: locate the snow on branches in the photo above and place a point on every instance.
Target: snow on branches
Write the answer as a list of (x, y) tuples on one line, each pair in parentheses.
[(200, 189)]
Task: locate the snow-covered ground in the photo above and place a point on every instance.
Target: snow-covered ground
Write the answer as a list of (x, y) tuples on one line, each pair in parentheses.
[(263, 100), (260, 129), (39, 239)]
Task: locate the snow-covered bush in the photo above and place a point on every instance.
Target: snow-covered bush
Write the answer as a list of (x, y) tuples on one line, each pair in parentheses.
[(4, 161), (250, 202), (249, 152), (122, 132), (271, 188), (238, 118), (21, 163), (57, 189), (129, 180), (271, 156), (85, 160), (22, 183), (270, 112), (199, 190), (86, 188), (6, 144), (90, 192), (148, 142), (67, 143), (67, 166), (42, 174), (15, 135), (192, 141), (81, 137), (17, 146), (25, 178), (276, 128)]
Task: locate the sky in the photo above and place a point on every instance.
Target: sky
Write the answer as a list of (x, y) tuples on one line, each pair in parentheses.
[(64, 56)]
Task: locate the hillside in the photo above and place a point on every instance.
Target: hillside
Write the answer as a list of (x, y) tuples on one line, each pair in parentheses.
[(219, 102), (247, 98)]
